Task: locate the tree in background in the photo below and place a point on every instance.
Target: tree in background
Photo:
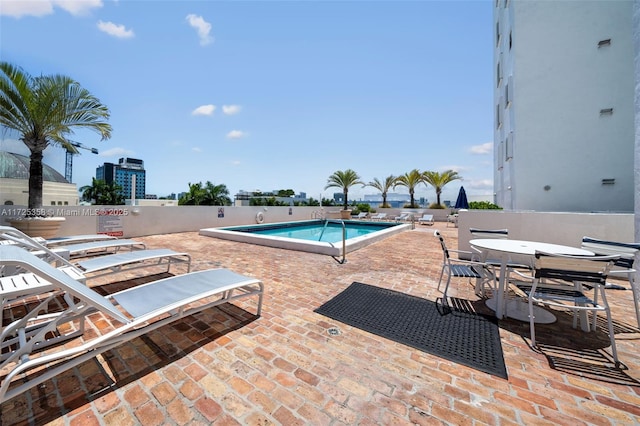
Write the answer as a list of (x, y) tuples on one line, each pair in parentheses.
[(410, 180), (383, 187), (344, 180), (45, 111), (102, 193), (217, 195), (483, 205), (439, 180), (205, 195)]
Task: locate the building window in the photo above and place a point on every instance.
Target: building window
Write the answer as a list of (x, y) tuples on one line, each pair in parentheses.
[(497, 34), (510, 40), (498, 75), (508, 151), (603, 43), (498, 116)]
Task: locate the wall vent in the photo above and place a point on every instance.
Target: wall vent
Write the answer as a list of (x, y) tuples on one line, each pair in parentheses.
[(603, 43), (608, 181), (606, 111)]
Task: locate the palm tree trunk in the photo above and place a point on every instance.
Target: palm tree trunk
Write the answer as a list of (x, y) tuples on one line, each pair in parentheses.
[(35, 182)]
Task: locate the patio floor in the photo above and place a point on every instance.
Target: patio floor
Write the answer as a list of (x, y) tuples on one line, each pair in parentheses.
[(225, 367)]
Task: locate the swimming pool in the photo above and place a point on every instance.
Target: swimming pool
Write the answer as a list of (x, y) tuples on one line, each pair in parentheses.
[(314, 236)]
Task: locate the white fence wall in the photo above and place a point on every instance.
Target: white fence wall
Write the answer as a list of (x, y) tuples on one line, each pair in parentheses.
[(560, 228)]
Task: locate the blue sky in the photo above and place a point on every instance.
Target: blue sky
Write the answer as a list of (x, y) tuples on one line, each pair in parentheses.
[(264, 95)]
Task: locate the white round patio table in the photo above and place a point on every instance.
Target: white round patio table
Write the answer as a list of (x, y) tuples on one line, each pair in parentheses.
[(504, 248)]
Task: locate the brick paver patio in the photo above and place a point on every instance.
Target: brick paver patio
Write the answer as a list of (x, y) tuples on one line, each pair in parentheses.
[(225, 367)]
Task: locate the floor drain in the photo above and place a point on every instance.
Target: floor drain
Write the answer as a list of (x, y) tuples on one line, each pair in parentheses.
[(333, 331)]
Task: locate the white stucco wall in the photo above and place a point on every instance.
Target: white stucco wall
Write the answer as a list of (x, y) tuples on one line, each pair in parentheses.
[(559, 81)]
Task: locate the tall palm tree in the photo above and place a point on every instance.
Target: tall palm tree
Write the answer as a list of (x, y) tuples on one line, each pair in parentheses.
[(100, 192), (439, 180), (383, 187), (195, 197), (45, 111), (91, 193), (112, 195), (344, 180), (217, 195), (410, 180)]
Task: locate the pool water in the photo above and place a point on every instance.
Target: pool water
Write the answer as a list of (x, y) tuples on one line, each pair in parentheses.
[(331, 232), (314, 236)]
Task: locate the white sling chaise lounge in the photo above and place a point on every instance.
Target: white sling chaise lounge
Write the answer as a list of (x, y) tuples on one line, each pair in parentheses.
[(134, 312), (101, 265), (93, 248), (76, 239)]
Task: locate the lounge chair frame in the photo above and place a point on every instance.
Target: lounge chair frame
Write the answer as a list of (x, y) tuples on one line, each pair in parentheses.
[(426, 219), (138, 310), (98, 266)]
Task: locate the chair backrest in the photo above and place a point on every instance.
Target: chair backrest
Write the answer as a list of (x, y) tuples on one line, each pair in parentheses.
[(437, 234), (10, 235), (591, 269), (15, 256), (490, 233), (626, 251)]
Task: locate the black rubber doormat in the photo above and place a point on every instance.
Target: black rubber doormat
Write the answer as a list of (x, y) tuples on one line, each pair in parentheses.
[(465, 338)]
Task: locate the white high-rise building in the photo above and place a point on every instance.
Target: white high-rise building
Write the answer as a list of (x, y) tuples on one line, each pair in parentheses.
[(564, 105)]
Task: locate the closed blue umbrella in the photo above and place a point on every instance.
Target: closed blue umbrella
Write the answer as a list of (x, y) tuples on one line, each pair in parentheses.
[(461, 202)]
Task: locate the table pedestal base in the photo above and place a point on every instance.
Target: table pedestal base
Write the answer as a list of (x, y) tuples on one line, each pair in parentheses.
[(519, 310)]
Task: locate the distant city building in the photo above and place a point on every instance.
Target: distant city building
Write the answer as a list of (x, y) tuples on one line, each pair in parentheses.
[(243, 198), (564, 105), (122, 174), (394, 200)]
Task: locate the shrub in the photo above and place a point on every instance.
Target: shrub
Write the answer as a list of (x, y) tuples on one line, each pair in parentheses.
[(363, 207), (483, 205), (436, 206)]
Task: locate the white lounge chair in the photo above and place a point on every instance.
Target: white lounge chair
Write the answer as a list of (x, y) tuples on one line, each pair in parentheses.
[(362, 215), (426, 219), (379, 216), (76, 239), (135, 312), (404, 217), (100, 265), (93, 248)]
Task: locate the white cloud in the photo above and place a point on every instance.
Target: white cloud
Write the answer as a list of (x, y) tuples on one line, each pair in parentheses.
[(116, 152), (196, 149), (458, 169), (236, 134), (204, 110), (479, 184), (38, 8), (78, 7), (202, 27), (118, 31), (485, 148), (236, 163), (231, 109)]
